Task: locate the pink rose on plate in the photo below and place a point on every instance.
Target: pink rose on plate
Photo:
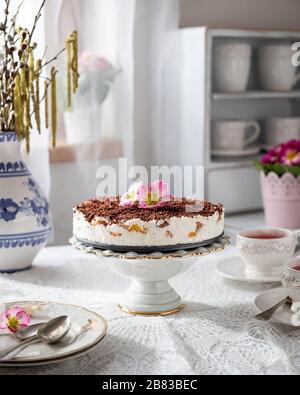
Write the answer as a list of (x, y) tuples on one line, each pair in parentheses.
[(14, 319), (154, 195)]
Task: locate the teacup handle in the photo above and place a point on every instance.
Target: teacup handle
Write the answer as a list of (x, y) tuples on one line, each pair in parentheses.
[(257, 132), (297, 235)]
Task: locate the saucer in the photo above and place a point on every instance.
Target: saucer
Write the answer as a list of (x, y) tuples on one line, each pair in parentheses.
[(233, 268), (268, 299), (237, 153)]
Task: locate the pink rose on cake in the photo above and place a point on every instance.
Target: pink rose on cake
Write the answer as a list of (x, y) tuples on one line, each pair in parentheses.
[(131, 196), (147, 196), (154, 195)]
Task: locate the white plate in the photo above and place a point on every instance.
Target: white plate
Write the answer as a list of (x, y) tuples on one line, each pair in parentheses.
[(234, 153), (40, 353), (268, 299), (233, 268)]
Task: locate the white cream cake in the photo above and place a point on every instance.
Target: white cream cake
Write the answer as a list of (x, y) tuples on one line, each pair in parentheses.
[(177, 222)]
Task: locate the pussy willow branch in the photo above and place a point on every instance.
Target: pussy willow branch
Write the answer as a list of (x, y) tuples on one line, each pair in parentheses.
[(6, 11), (12, 30), (21, 73), (36, 19), (52, 60)]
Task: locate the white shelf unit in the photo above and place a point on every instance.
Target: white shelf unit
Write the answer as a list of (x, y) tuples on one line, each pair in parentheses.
[(234, 182), (256, 95)]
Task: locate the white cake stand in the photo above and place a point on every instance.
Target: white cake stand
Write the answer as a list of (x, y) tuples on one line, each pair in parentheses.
[(150, 293)]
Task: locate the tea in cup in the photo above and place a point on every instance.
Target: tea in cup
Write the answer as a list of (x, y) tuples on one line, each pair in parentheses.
[(264, 251)]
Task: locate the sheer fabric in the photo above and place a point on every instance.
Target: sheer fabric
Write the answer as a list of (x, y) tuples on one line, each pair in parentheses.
[(140, 117)]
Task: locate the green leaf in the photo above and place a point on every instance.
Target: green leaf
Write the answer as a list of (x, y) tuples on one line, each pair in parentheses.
[(278, 168)]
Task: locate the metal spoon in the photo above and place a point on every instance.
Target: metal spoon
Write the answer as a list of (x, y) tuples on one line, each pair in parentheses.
[(71, 337), (50, 333), (28, 332), (268, 314)]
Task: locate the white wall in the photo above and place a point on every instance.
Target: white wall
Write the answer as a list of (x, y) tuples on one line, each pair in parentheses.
[(244, 14)]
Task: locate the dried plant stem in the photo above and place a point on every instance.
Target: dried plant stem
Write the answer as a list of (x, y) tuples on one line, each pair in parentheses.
[(36, 101), (17, 107), (46, 97), (52, 60), (36, 19), (72, 66), (53, 106)]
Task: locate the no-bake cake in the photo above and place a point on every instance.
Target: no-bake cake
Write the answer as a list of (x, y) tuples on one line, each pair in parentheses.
[(175, 222)]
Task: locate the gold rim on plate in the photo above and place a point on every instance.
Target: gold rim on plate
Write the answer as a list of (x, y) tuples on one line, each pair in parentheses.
[(153, 314)]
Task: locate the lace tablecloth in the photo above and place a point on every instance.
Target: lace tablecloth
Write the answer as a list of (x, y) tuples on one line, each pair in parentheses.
[(215, 334)]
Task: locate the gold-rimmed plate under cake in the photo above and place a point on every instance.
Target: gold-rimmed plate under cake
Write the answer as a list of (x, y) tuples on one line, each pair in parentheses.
[(233, 268), (89, 330), (270, 298)]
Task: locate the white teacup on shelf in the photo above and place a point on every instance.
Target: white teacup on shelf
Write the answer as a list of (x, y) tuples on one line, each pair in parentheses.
[(291, 278), (232, 64), (234, 135), (281, 130), (264, 251), (277, 72)]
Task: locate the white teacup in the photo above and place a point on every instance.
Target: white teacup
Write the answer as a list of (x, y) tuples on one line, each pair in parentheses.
[(234, 135), (280, 130), (291, 278), (277, 72), (264, 251), (232, 64)]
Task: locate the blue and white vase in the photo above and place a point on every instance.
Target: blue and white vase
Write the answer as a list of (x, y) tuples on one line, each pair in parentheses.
[(24, 210)]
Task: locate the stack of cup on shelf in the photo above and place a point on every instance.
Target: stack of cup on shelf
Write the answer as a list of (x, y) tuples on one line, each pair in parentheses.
[(232, 73), (233, 67)]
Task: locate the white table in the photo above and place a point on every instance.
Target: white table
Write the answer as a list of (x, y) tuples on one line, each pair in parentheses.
[(216, 334)]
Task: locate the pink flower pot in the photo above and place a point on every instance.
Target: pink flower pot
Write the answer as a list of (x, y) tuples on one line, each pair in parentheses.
[(281, 200)]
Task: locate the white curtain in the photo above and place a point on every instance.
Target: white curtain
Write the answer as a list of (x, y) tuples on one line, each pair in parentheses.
[(157, 58), (141, 38)]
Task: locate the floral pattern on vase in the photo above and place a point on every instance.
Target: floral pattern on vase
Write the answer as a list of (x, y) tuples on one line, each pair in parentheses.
[(24, 210)]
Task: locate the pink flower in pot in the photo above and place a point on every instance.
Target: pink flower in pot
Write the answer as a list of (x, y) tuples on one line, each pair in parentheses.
[(280, 180)]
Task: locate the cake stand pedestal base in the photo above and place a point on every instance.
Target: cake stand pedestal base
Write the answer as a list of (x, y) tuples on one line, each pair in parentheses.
[(150, 293), (151, 298)]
